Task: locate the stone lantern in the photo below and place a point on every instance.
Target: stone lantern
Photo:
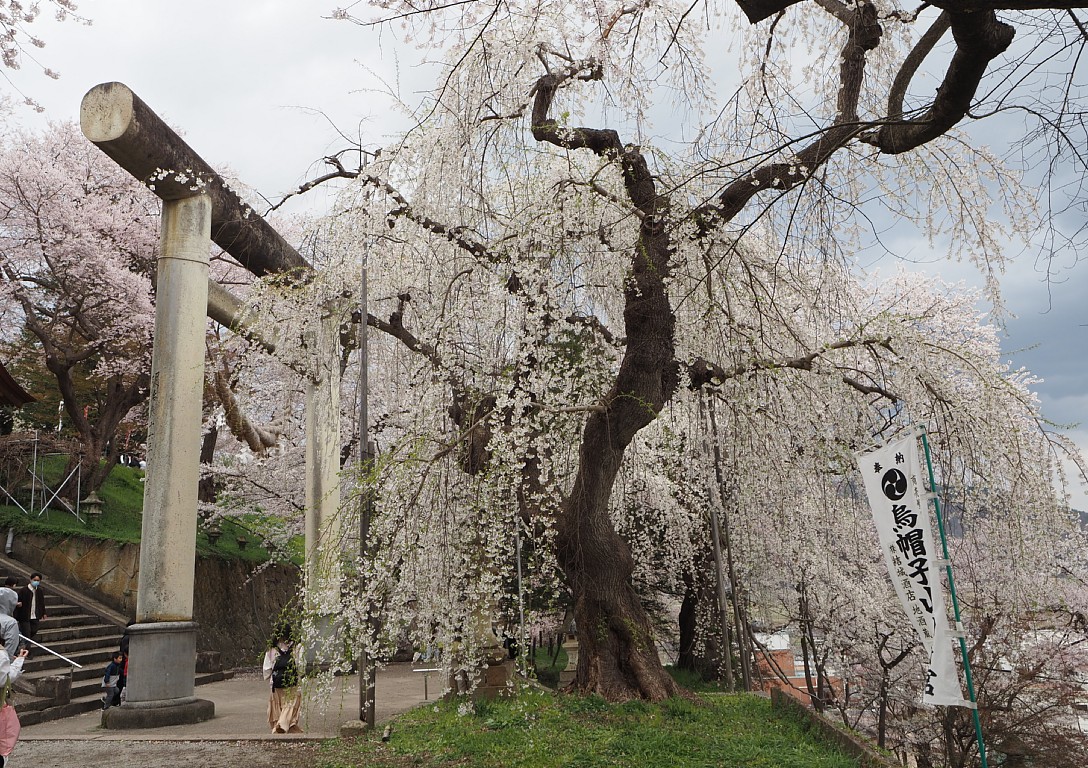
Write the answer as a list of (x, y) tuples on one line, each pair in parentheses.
[(92, 506)]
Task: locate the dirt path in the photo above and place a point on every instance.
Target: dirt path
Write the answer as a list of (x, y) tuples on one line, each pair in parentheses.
[(163, 754)]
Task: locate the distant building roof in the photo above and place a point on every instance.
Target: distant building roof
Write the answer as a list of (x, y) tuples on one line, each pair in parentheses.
[(10, 391)]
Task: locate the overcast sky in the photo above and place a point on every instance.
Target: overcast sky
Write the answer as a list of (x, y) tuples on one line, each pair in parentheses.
[(248, 81), (254, 84)]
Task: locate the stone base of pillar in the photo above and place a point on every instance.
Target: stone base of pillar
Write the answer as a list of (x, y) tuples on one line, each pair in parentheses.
[(156, 714), (495, 681), (496, 678), (161, 678)]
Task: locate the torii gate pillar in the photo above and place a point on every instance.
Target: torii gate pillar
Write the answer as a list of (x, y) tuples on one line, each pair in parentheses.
[(162, 650), (198, 207), (323, 534), (162, 663)]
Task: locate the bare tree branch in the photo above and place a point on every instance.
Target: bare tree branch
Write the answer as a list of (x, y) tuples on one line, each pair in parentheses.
[(758, 10), (980, 38), (864, 35), (338, 172)]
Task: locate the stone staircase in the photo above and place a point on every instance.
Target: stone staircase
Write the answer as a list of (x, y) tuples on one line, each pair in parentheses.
[(55, 688), (86, 632)]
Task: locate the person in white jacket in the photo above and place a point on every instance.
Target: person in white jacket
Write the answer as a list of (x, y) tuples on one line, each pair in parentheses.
[(281, 670), (10, 669)]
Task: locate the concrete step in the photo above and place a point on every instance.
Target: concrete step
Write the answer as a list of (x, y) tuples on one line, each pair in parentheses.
[(82, 619), (71, 709), (51, 635), (89, 659), (85, 631), (104, 642), (88, 653), (60, 610)]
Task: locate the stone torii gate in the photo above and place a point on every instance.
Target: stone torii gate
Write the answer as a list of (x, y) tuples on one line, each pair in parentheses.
[(197, 209)]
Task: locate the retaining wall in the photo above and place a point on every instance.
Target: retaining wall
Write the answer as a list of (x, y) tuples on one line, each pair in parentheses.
[(235, 602)]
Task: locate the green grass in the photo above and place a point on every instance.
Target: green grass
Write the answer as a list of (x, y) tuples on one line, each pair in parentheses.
[(693, 681), (547, 673), (122, 515), (541, 730), (122, 496)]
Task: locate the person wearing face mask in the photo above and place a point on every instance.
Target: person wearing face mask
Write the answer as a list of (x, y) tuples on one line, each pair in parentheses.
[(31, 610), (285, 699)]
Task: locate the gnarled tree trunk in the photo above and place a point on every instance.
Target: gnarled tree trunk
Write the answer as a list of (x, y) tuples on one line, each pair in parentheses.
[(617, 658)]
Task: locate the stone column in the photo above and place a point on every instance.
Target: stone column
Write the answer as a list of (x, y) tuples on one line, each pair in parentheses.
[(324, 538), (162, 652)]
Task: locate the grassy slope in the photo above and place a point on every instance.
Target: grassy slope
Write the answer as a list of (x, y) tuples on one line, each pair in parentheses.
[(122, 495), (542, 730)]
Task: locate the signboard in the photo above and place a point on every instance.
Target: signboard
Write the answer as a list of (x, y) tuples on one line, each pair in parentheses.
[(893, 482)]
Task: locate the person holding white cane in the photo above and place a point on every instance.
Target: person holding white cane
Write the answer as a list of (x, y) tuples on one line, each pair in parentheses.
[(10, 669)]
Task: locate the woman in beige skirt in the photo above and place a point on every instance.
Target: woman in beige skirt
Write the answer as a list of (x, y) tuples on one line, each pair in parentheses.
[(285, 700)]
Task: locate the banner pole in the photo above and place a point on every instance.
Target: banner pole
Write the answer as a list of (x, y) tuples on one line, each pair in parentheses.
[(955, 600)]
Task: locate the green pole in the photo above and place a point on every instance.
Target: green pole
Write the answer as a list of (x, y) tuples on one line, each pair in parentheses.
[(955, 601)]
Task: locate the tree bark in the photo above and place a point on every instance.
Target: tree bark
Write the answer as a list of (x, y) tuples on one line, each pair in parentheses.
[(700, 622), (885, 680), (686, 626), (207, 490), (617, 657), (100, 451)]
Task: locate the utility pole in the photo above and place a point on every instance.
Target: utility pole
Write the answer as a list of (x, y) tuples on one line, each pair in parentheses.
[(367, 668)]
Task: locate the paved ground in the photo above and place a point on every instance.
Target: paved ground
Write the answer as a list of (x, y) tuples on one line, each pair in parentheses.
[(237, 737)]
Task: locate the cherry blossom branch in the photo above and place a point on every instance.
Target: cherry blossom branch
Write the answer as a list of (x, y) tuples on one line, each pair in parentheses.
[(341, 14), (601, 141), (704, 373), (248, 478), (456, 235), (573, 408), (519, 112), (649, 319), (395, 327), (606, 194)]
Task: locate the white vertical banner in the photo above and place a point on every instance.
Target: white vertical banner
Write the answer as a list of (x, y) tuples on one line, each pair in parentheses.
[(894, 484)]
